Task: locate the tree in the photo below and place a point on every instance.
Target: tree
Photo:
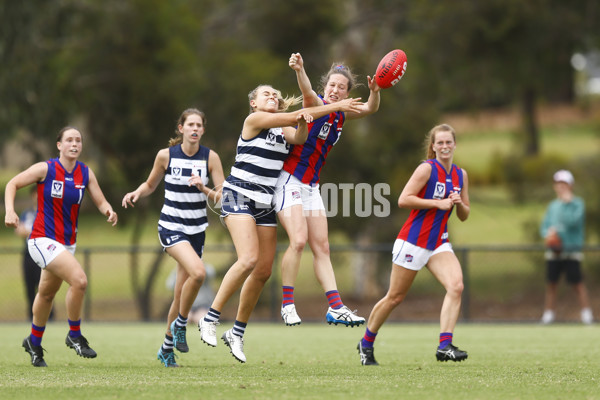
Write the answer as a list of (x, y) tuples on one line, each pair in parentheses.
[(501, 52)]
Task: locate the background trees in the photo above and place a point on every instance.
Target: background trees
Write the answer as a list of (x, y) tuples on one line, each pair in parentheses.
[(124, 70)]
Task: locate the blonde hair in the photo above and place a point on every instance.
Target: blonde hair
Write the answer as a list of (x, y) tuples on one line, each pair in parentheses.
[(342, 69), (430, 138), (283, 103), (182, 118)]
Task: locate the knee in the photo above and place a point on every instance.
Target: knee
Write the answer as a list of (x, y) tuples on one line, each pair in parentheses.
[(45, 296), (298, 242), (262, 274), (394, 299), (197, 275), (80, 283), (247, 262), (320, 248), (456, 288)]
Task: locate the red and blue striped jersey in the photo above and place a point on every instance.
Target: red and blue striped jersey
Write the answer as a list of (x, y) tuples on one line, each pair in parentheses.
[(59, 198), (428, 228), (306, 160)]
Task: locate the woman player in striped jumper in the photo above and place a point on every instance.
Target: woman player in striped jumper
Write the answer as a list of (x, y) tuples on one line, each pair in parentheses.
[(61, 184), (247, 209), (434, 190), (186, 166)]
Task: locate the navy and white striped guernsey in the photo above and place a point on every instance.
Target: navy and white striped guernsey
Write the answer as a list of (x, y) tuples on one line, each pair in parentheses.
[(258, 162), (184, 209)]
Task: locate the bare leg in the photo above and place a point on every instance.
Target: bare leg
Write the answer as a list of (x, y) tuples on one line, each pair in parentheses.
[(64, 267), (401, 280), (180, 278), (244, 234), (582, 295), (191, 267), (255, 282), (294, 223), (446, 268), (551, 290), (319, 243)]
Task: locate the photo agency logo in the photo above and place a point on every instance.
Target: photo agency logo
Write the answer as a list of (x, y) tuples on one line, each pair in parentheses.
[(363, 200)]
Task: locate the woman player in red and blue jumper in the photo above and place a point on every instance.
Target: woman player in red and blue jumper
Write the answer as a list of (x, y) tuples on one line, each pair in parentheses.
[(61, 184), (435, 189), (298, 201)]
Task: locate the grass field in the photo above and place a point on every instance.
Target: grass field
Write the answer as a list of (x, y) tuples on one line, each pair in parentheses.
[(312, 361)]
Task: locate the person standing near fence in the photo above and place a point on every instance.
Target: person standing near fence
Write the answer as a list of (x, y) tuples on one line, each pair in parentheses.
[(186, 166), (434, 190), (247, 208), (61, 184), (298, 201), (563, 231)]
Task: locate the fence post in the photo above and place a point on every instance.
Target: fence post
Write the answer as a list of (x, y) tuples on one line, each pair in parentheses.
[(466, 296), (87, 306)]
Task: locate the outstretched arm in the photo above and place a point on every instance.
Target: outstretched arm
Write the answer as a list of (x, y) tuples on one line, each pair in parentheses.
[(158, 170), (372, 104), (300, 134), (309, 96), (260, 120)]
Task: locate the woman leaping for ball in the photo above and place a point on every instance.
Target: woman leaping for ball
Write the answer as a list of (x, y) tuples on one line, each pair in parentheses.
[(298, 201), (247, 208)]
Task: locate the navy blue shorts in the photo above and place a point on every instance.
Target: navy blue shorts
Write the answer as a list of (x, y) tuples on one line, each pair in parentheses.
[(169, 238), (571, 268), (234, 202)]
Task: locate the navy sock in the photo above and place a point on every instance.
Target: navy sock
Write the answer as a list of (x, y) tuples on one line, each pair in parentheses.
[(445, 339), (239, 328), (212, 315), (369, 339)]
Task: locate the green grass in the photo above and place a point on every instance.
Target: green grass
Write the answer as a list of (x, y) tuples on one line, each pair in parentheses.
[(312, 361)]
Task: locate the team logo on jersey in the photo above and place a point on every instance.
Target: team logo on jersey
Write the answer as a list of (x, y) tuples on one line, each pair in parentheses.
[(440, 191), (57, 189), (271, 139), (324, 132), (176, 172)]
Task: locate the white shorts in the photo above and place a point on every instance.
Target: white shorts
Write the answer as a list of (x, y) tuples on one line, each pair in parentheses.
[(291, 191), (413, 257), (44, 250)]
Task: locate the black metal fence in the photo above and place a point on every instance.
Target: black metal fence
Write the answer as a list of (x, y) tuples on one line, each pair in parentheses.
[(502, 283)]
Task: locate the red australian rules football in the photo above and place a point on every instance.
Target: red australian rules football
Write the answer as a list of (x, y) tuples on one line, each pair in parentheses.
[(391, 69)]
